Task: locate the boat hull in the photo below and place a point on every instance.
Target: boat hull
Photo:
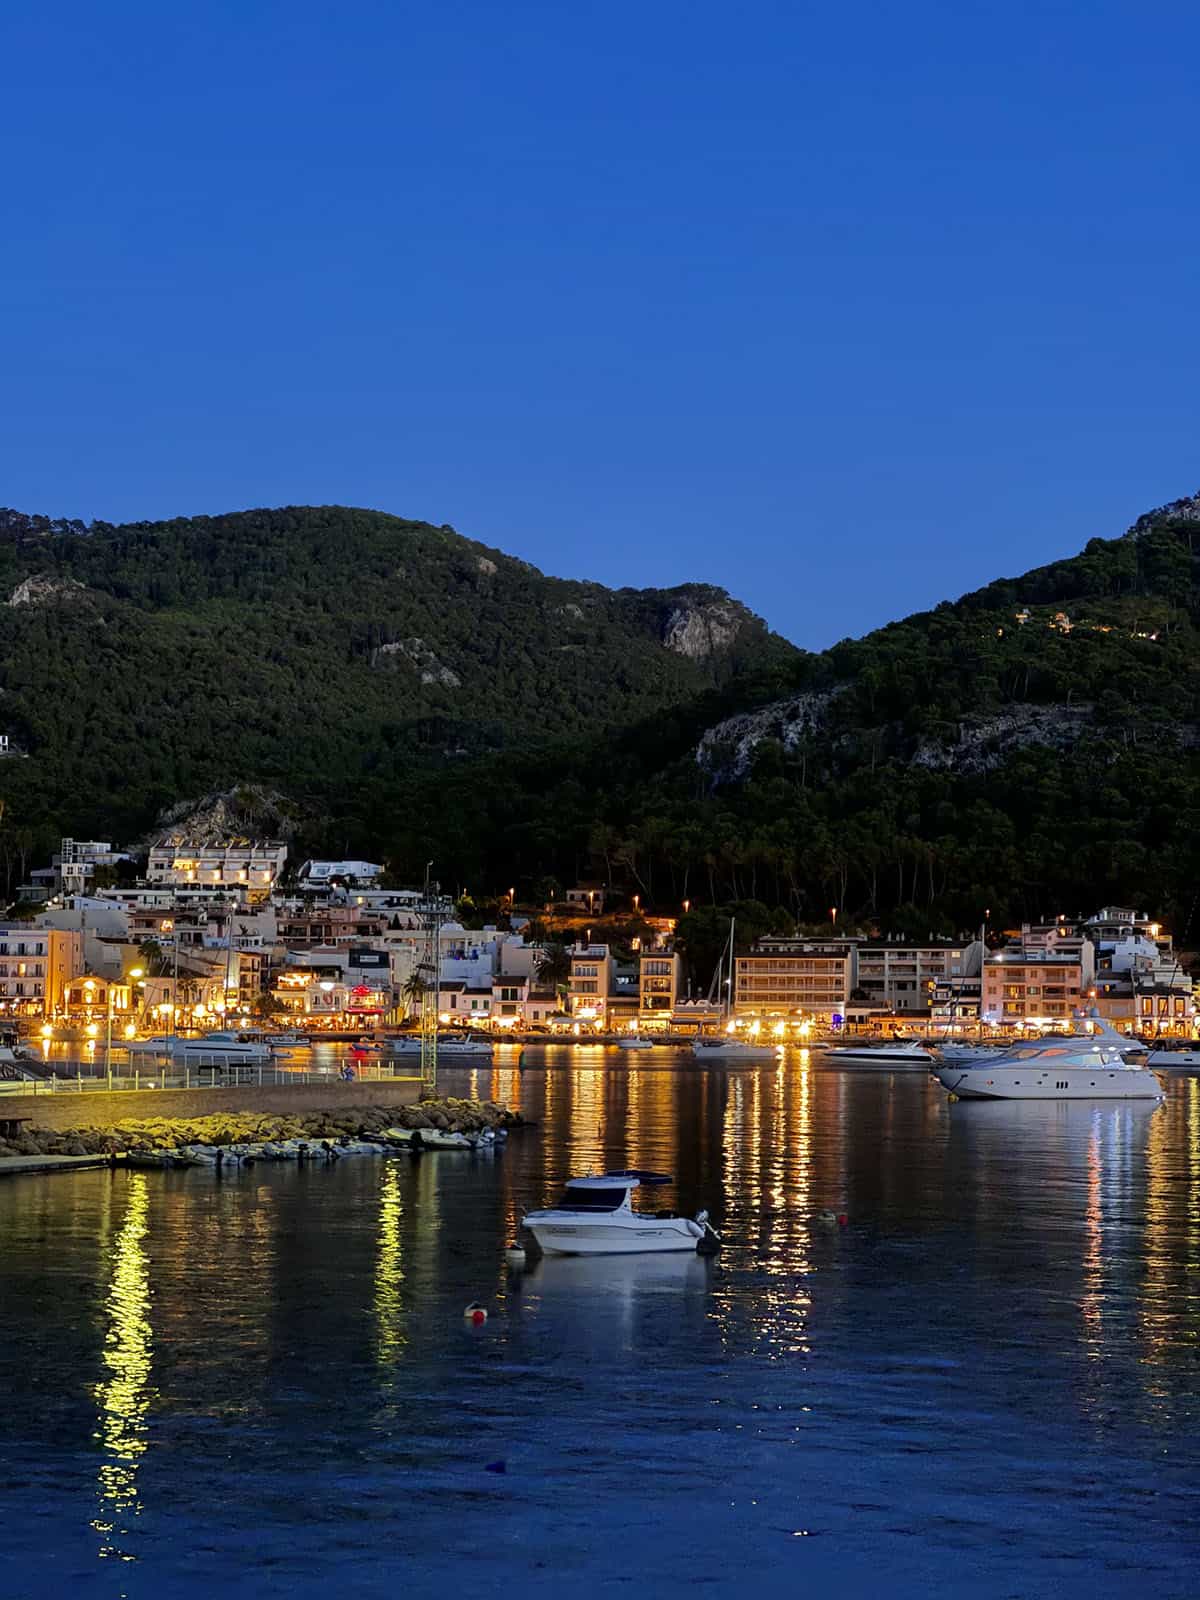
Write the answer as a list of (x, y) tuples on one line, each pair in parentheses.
[(722, 1055), (879, 1059), (448, 1050), (1049, 1083), (567, 1235), (1174, 1060)]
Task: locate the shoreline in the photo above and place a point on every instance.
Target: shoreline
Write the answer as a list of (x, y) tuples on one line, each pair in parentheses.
[(241, 1137)]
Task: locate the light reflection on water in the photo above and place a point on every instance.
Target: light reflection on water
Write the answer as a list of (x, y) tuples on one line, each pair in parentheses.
[(125, 1397), (986, 1381)]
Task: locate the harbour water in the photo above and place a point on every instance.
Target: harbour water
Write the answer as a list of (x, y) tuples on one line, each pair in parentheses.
[(987, 1383)]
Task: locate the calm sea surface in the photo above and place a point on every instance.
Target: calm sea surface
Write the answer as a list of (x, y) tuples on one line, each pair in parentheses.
[(987, 1384)]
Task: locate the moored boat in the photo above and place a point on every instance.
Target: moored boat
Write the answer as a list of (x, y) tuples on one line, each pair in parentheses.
[(726, 1048), (450, 1047), (879, 1055), (1084, 1067), (595, 1217), (1176, 1058), (204, 1048)]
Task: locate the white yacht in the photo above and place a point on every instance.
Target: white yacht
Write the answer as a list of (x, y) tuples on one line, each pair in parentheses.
[(729, 1049), (206, 1048), (1083, 1067), (595, 1217), (879, 1055), (635, 1041), (1183, 1058), (450, 1047)]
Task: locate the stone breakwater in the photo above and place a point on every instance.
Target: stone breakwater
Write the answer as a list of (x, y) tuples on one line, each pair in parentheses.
[(227, 1138)]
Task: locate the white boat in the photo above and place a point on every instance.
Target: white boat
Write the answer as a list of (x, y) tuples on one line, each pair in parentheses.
[(451, 1047), (209, 1047), (595, 1217), (1184, 1059), (1085, 1067), (879, 1055), (635, 1041), (728, 1048)]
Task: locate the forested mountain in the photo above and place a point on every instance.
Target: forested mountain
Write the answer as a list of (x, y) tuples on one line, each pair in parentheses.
[(1030, 748), (323, 650)]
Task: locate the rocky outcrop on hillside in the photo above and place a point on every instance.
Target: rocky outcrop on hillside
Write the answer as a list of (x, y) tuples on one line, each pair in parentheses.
[(227, 817), (42, 589), (701, 630), (418, 654), (1185, 510), (726, 751), (985, 743)]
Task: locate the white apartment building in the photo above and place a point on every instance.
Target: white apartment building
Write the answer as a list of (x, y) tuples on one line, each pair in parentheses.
[(810, 978), (249, 868), (898, 976)]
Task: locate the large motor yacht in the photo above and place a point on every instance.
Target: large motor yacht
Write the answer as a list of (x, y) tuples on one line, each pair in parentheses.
[(1081, 1067)]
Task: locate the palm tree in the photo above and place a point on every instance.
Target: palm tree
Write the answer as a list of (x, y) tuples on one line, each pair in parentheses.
[(554, 966), (413, 991)]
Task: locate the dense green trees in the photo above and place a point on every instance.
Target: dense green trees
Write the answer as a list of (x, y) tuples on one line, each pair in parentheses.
[(421, 697)]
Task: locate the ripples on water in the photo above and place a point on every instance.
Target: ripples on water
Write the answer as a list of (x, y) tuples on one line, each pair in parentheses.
[(986, 1384)]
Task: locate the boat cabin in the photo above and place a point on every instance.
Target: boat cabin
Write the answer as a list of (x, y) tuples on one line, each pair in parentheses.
[(609, 1191)]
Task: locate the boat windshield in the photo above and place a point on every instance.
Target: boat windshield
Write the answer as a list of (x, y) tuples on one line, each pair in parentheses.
[(579, 1197)]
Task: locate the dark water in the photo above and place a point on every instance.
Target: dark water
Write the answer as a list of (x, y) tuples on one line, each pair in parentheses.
[(988, 1384)]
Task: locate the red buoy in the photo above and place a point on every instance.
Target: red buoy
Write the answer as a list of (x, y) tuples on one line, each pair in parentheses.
[(475, 1314), (843, 1220)]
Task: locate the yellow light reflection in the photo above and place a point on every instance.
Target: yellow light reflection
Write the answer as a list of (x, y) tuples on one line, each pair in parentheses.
[(390, 1334), (125, 1396)]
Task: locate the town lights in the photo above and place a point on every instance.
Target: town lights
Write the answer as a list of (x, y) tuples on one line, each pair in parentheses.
[(130, 1030), (92, 1029), (47, 1031)]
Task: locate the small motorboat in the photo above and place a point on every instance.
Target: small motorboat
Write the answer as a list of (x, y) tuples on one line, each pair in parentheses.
[(913, 1054), (595, 1217), (635, 1041), (727, 1049)]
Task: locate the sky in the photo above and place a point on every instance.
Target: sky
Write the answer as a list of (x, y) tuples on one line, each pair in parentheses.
[(847, 308)]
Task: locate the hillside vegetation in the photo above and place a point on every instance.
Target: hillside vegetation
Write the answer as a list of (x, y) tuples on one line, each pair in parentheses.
[(320, 650), (1029, 748)]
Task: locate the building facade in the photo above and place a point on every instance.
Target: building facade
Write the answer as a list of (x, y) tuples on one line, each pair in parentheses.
[(901, 977), (811, 979), (249, 869), (36, 966)]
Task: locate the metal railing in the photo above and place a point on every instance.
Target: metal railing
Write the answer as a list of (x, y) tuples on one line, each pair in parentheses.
[(213, 1075)]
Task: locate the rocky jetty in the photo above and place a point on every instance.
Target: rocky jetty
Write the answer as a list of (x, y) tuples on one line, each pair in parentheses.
[(232, 1138)]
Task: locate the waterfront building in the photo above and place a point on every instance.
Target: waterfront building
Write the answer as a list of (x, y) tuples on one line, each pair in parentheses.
[(36, 965), (93, 999), (590, 982), (904, 978), (660, 974), (808, 978), (1037, 984)]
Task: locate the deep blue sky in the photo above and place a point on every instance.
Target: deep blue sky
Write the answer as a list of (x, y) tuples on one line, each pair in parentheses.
[(846, 307)]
